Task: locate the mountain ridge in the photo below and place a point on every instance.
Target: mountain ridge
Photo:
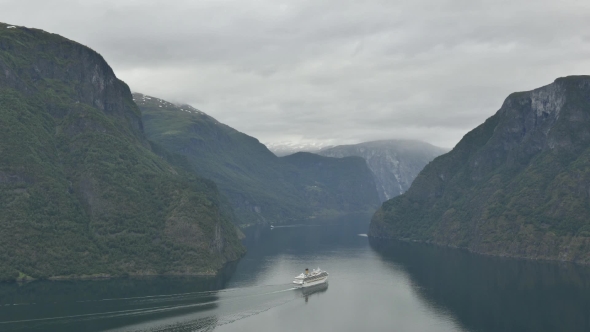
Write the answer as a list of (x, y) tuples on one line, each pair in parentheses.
[(82, 191), (517, 185), (262, 187)]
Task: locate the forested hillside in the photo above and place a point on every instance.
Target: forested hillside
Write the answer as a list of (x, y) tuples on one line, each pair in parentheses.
[(82, 191), (517, 185), (261, 187)]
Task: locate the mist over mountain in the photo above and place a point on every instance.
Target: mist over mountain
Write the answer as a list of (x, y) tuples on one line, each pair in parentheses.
[(281, 149), (517, 185), (82, 191), (394, 163), (261, 187)]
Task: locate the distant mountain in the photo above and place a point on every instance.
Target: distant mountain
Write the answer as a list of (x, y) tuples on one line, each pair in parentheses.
[(394, 163), (517, 185), (261, 187), (337, 184), (282, 149), (82, 191)]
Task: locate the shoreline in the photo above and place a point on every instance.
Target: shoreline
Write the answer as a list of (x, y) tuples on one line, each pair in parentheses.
[(220, 273), (505, 256)]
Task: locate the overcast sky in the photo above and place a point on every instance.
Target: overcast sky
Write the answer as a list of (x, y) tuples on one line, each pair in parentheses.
[(329, 71)]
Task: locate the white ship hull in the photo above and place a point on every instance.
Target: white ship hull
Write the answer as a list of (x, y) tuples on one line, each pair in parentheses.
[(317, 277), (312, 283)]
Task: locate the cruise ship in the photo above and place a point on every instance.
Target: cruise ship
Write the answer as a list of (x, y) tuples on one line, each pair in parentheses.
[(312, 278)]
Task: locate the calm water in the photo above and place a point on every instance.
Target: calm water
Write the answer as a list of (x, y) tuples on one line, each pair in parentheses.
[(372, 287)]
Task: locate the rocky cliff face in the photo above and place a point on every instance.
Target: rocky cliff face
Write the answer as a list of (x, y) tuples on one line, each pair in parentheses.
[(394, 163), (81, 190), (517, 185)]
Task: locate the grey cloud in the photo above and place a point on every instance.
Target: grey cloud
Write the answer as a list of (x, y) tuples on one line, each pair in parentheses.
[(334, 71)]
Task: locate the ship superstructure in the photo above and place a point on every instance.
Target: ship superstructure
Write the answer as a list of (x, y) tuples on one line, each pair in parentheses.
[(315, 277)]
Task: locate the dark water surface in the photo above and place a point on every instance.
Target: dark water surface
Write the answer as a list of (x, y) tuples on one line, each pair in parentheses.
[(373, 286)]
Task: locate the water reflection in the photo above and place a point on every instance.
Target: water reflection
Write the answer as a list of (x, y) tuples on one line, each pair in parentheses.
[(99, 305), (373, 286), (495, 294), (303, 242), (316, 289), (364, 294)]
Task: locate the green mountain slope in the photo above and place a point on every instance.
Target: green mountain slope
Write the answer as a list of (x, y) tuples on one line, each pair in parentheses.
[(517, 185), (260, 186), (335, 184), (81, 190)]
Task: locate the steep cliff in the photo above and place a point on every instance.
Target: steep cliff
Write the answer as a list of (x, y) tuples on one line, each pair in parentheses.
[(394, 163), (517, 185), (261, 187), (81, 190)]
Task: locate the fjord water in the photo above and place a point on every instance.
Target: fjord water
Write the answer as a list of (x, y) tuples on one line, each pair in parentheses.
[(378, 286)]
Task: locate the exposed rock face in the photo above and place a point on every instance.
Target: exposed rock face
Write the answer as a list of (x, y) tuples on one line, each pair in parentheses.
[(91, 79), (82, 191), (394, 163), (517, 185)]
